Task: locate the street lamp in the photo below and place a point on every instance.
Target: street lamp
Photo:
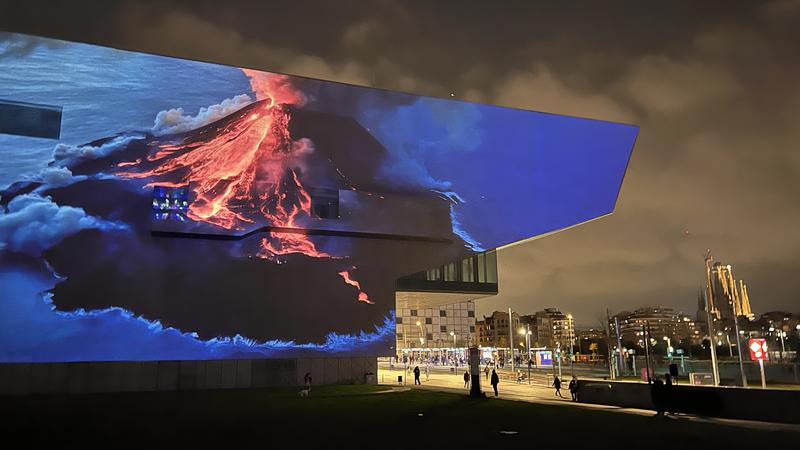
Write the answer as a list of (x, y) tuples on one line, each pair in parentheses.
[(669, 347), (453, 333), (527, 333), (571, 343)]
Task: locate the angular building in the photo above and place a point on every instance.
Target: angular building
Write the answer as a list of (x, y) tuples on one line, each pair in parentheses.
[(199, 220)]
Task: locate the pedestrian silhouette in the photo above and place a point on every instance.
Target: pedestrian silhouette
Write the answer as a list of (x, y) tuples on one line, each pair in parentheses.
[(486, 370), (466, 378), (495, 381), (427, 372), (307, 380), (669, 405), (416, 376), (657, 394), (557, 385), (573, 388)]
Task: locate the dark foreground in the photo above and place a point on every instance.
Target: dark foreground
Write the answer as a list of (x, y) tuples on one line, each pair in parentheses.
[(354, 416)]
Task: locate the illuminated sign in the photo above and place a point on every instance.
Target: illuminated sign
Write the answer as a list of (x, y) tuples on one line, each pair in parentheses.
[(758, 349)]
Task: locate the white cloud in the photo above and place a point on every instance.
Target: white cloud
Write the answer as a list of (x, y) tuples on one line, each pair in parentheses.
[(175, 121), (56, 176), (32, 223), (68, 152)]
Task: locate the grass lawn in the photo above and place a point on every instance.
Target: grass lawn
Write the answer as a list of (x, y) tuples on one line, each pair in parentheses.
[(348, 415)]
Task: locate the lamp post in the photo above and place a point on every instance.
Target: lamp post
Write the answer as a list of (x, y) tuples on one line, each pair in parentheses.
[(558, 353), (781, 335), (571, 343), (527, 334), (669, 347), (453, 333)]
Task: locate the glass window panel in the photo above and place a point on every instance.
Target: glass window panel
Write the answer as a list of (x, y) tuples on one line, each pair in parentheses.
[(491, 267), (481, 268)]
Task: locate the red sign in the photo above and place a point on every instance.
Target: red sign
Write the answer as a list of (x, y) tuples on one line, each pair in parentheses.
[(758, 349)]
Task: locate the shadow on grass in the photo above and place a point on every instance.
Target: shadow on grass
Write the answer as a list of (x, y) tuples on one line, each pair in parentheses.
[(355, 415)]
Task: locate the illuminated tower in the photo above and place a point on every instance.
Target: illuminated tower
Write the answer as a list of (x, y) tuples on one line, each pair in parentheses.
[(729, 298)]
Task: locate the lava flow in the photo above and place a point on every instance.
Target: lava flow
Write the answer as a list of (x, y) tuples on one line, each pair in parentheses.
[(362, 296), (241, 171)]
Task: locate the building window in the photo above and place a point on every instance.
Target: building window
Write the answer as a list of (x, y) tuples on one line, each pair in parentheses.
[(399, 320), (443, 328), (442, 313), (468, 270), (429, 336), (324, 203), (428, 320), (470, 313), (413, 312), (400, 336), (471, 329)]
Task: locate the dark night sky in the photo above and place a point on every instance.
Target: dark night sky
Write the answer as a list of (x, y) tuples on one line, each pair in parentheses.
[(713, 85)]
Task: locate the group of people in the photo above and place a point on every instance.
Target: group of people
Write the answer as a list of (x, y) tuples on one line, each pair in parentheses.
[(572, 386), (661, 393), (495, 380)]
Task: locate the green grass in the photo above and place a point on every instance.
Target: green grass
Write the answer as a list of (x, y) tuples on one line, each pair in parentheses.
[(354, 415)]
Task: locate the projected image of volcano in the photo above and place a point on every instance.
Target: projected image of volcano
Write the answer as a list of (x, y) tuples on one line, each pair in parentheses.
[(195, 210)]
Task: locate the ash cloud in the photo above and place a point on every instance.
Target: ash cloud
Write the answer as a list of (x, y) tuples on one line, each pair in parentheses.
[(65, 153), (32, 223), (176, 121)]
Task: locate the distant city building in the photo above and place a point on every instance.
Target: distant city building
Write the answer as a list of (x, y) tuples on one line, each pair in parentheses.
[(430, 328), (591, 341), (553, 328), (493, 331), (661, 322)]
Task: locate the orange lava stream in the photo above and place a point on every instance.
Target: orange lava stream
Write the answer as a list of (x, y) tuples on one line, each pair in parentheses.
[(240, 171), (362, 296), (243, 170)]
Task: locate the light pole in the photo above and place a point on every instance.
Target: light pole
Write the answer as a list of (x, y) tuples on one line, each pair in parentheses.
[(558, 353), (453, 333), (736, 331), (527, 334), (781, 335), (669, 347), (571, 344)]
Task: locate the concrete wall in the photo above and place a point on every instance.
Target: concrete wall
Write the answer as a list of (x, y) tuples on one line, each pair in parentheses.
[(776, 372), (770, 405), (88, 377)]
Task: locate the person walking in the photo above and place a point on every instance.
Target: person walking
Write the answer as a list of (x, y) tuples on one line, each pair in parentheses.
[(495, 381), (657, 394), (486, 371), (557, 385), (573, 388), (416, 376), (466, 378), (427, 372), (669, 401)]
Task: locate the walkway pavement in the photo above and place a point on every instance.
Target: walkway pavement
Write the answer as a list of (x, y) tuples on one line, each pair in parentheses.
[(510, 390)]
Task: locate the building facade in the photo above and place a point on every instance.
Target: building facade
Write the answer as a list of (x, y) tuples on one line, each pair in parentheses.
[(495, 329), (443, 327), (659, 322), (553, 329)]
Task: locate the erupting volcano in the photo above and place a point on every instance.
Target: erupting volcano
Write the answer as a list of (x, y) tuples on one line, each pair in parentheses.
[(245, 169)]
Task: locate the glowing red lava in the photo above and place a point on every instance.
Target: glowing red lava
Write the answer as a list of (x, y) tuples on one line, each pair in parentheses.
[(362, 296), (245, 171)]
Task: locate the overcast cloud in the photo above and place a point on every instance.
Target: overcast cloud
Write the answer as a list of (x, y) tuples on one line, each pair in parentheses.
[(713, 85)]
